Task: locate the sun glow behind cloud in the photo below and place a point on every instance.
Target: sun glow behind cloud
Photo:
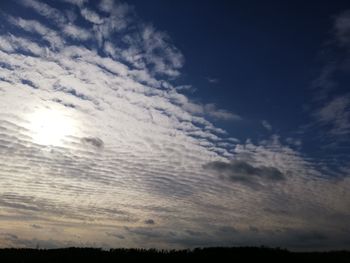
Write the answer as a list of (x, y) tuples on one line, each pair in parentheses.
[(50, 127)]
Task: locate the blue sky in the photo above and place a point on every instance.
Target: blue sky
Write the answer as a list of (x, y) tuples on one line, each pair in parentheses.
[(174, 124), (263, 57)]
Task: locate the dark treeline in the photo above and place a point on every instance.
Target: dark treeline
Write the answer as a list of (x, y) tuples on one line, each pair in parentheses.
[(242, 254)]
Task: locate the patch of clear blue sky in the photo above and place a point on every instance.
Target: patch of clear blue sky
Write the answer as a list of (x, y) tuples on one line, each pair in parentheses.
[(262, 52)]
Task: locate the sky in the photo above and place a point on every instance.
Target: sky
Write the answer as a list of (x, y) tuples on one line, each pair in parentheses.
[(175, 124)]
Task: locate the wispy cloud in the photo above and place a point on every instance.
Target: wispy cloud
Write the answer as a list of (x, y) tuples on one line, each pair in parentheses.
[(266, 125), (335, 115), (342, 28), (331, 111), (213, 80)]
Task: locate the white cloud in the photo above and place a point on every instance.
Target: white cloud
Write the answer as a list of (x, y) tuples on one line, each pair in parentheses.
[(336, 114), (76, 32), (13, 43), (33, 26), (107, 5), (52, 14), (221, 114), (213, 80), (209, 109), (76, 2), (331, 109), (162, 56), (342, 28), (266, 125), (91, 16)]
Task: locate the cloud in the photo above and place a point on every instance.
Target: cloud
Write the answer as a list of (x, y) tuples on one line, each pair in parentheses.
[(76, 33), (210, 110), (115, 235), (213, 80), (96, 142), (331, 106), (106, 5), (294, 141), (220, 114), (36, 226), (149, 222), (266, 125), (45, 10), (243, 172), (13, 43), (151, 48), (33, 26), (335, 114), (91, 16), (79, 3), (342, 28)]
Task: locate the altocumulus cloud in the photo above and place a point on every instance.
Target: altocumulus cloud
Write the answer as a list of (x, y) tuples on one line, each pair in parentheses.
[(240, 171), (99, 148)]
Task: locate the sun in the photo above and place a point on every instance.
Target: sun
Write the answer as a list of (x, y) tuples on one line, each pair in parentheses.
[(50, 127)]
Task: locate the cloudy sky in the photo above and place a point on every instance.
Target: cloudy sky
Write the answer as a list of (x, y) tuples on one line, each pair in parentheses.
[(174, 124)]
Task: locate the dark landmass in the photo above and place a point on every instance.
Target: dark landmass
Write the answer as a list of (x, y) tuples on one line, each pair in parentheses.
[(239, 254)]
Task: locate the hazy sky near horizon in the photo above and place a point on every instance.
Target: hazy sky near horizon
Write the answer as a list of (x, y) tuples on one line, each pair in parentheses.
[(174, 124)]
